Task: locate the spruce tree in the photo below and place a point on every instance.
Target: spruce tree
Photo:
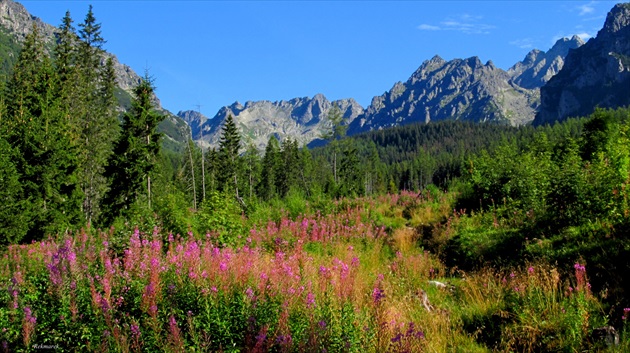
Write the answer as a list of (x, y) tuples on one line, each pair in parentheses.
[(37, 127), (229, 160), (65, 50), (288, 173), (266, 188), (305, 171), (93, 107), (212, 169), (135, 155), (335, 132), (13, 216), (351, 183)]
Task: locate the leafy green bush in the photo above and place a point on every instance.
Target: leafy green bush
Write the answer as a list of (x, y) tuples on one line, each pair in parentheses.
[(220, 214)]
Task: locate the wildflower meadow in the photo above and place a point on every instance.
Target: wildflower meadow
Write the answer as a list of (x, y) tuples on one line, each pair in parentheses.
[(356, 279)]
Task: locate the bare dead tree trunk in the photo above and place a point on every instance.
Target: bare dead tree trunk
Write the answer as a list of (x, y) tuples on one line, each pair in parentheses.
[(192, 170)]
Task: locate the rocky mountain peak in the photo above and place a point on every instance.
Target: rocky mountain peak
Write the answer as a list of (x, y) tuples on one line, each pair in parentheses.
[(617, 19), (460, 89), (18, 21), (563, 45), (595, 74), (538, 66), (302, 119)]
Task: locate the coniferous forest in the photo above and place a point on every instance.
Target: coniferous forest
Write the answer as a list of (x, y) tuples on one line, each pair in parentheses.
[(441, 237)]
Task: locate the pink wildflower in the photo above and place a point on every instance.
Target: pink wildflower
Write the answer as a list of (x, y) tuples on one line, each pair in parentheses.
[(310, 300)]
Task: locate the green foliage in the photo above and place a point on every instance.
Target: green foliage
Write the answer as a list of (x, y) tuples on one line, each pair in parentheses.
[(135, 155), (13, 219), (287, 170), (266, 188), (228, 153), (172, 210), (36, 127), (560, 199), (9, 51), (220, 214)]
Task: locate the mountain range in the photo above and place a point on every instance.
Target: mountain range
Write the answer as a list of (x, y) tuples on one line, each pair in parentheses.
[(302, 119), (570, 79), (460, 89)]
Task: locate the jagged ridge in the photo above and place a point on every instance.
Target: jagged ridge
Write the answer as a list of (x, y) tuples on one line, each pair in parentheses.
[(302, 119)]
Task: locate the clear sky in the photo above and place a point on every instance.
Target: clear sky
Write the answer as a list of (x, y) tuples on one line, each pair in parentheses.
[(214, 53)]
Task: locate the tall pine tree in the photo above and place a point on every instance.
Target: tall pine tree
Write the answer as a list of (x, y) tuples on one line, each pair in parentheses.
[(229, 159), (135, 155), (266, 188), (93, 106), (37, 127)]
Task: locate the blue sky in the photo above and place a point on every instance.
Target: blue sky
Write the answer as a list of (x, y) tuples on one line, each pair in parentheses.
[(213, 53)]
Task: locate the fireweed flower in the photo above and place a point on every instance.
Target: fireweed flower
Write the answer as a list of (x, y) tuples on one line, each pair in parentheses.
[(135, 331), (355, 261), (626, 311), (310, 300), (28, 316), (579, 267), (250, 293), (530, 270), (377, 295)]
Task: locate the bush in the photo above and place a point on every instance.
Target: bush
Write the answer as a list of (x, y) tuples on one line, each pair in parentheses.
[(220, 214)]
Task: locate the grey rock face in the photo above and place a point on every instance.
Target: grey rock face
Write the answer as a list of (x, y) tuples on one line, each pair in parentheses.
[(539, 67), (595, 74), (15, 18), (302, 119), (458, 90)]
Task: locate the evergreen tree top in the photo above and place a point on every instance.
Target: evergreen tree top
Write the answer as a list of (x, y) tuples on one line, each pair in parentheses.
[(230, 142), (91, 31)]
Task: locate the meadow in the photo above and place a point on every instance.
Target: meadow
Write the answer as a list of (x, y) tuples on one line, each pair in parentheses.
[(352, 277)]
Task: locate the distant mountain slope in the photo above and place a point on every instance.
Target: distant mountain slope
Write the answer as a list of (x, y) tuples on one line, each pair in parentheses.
[(539, 67), (465, 89), (596, 74), (451, 90), (16, 22), (302, 119), (460, 89)]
